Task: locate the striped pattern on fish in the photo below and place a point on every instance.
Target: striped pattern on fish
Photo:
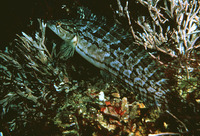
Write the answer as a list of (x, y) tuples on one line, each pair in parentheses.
[(112, 49)]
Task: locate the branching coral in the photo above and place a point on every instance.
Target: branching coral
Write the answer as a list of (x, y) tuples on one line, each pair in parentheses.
[(172, 27), (30, 82)]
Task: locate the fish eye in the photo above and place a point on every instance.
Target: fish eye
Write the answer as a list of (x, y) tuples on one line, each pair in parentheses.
[(58, 24)]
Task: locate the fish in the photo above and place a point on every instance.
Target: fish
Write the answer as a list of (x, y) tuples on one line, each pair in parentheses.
[(112, 49)]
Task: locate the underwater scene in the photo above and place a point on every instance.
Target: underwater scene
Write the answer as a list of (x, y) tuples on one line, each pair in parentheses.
[(100, 68)]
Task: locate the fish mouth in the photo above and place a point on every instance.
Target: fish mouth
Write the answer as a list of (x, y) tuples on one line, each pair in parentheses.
[(63, 30), (53, 26)]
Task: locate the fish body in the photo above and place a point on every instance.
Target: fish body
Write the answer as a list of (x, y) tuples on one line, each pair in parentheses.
[(112, 49)]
